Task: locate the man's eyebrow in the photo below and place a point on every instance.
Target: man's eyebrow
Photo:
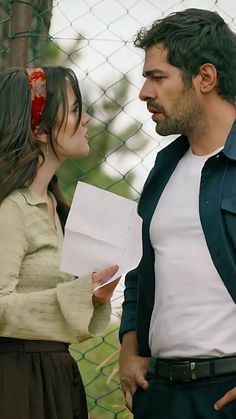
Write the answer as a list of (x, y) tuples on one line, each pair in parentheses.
[(153, 72)]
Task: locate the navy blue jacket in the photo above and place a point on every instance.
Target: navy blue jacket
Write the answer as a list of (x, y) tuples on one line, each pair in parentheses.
[(217, 209)]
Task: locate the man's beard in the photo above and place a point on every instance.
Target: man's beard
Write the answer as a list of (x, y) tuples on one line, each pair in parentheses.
[(183, 118)]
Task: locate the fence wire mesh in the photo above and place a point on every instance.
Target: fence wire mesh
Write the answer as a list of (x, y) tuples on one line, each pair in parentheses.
[(94, 37)]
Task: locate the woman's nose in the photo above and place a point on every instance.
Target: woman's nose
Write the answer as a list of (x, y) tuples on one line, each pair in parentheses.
[(85, 119)]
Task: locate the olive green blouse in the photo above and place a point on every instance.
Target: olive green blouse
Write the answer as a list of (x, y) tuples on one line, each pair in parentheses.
[(37, 301)]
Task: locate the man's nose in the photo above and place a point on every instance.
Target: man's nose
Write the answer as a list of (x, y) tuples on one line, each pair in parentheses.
[(147, 92)]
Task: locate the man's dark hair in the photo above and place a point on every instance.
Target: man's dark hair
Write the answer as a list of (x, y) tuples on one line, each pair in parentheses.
[(194, 37)]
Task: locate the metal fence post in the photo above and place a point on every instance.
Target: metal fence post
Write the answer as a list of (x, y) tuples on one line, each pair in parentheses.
[(21, 22)]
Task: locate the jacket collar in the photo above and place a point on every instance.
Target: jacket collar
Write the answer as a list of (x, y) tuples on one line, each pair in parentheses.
[(230, 145), (178, 148)]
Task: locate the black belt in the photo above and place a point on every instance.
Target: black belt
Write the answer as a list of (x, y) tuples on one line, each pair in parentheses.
[(191, 370), (24, 345)]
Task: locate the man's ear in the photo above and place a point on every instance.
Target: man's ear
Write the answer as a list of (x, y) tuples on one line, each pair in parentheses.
[(42, 138), (207, 78)]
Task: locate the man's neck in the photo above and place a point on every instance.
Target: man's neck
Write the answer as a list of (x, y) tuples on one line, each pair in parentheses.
[(213, 133)]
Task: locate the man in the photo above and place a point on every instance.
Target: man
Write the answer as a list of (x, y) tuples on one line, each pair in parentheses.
[(178, 328)]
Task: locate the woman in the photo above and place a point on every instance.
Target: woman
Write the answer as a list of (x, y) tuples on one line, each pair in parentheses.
[(42, 310)]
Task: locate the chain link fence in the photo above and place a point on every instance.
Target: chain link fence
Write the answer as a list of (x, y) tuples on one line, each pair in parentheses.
[(94, 37)]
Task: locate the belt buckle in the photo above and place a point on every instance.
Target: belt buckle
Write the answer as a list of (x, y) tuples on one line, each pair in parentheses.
[(190, 371), (193, 370)]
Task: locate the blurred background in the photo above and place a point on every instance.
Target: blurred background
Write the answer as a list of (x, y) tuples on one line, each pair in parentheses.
[(95, 39)]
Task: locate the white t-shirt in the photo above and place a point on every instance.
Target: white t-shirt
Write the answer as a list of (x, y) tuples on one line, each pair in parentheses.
[(193, 314)]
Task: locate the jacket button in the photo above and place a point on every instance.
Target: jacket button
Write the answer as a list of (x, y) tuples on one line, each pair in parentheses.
[(76, 380)]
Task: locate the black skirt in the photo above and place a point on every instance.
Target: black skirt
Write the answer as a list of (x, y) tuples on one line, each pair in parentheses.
[(39, 380)]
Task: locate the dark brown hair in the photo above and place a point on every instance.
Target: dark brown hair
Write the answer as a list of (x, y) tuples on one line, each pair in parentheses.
[(19, 151), (194, 37)]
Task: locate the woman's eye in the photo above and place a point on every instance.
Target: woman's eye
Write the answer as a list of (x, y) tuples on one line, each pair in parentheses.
[(76, 109)]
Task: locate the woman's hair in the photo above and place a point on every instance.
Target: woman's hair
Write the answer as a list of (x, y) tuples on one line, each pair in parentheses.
[(19, 150), (194, 37)]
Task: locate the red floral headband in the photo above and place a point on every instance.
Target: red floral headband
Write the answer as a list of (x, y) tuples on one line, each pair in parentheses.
[(37, 81)]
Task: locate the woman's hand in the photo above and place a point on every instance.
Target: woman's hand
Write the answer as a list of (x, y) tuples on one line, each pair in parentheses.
[(104, 294)]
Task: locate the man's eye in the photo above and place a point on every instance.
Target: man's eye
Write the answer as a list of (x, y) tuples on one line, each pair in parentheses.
[(158, 78)]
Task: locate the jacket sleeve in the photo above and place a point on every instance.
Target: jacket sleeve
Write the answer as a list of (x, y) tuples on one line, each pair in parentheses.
[(65, 313), (129, 306)]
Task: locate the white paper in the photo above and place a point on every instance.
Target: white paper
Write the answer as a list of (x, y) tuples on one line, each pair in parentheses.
[(102, 229)]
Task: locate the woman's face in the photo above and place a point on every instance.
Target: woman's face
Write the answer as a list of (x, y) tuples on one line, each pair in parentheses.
[(71, 142)]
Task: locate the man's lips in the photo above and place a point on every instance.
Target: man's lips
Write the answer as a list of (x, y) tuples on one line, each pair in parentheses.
[(156, 116), (154, 110), (156, 113)]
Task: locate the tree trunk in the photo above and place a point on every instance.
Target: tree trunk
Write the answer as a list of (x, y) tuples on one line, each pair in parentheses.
[(21, 21)]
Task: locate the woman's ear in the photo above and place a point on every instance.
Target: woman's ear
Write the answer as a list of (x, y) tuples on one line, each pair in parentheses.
[(42, 138)]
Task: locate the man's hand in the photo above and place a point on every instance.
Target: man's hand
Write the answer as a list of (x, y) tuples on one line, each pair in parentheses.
[(229, 397), (132, 368), (132, 376), (104, 294)]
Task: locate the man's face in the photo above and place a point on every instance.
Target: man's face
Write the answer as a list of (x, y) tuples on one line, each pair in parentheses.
[(173, 103)]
